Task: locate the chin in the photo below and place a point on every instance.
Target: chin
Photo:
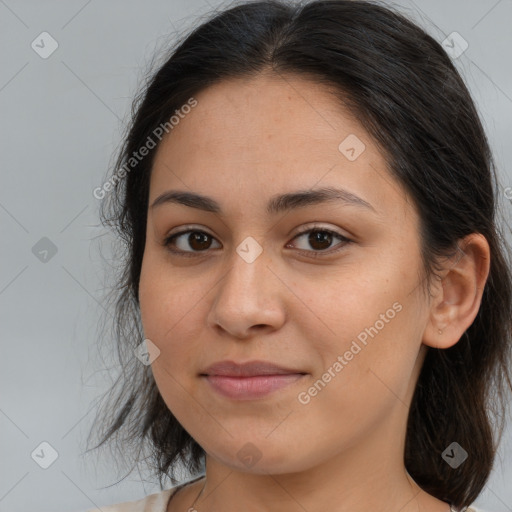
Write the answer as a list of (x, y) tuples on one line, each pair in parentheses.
[(262, 457)]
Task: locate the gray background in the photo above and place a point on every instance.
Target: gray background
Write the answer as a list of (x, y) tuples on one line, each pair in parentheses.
[(62, 119)]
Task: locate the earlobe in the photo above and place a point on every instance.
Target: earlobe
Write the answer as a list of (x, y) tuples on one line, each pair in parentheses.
[(459, 296)]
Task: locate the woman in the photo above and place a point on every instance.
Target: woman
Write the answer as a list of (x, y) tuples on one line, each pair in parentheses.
[(315, 303)]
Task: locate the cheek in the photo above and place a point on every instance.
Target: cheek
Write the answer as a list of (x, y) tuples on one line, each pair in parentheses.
[(162, 299), (167, 319), (339, 307), (371, 322), (173, 313), (378, 362), (359, 382)]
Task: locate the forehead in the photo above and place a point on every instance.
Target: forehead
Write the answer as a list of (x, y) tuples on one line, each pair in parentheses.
[(272, 134)]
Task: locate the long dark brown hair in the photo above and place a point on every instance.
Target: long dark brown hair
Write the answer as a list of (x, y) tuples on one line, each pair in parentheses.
[(404, 89)]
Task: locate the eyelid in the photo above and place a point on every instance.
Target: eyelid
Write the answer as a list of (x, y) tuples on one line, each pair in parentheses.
[(188, 227), (304, 228), (318, 226)]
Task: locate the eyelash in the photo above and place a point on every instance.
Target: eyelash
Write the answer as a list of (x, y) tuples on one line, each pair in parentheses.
[(315, 254)]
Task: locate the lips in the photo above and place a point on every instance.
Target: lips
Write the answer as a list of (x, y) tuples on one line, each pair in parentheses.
[(249, 381), (249, 369)]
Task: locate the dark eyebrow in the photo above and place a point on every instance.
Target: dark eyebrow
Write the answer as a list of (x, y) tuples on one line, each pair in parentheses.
[(276, 204)]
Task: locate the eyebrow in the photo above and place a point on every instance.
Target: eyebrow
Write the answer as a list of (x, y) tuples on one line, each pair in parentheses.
[(276, 204)]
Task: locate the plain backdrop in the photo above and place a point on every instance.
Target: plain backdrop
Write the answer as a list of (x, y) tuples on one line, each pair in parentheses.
[(62, 117)]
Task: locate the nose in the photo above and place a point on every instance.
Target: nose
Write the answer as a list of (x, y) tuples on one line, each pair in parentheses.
[(248, 299)]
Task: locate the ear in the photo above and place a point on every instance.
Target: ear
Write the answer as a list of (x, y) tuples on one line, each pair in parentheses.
[(458, 293)]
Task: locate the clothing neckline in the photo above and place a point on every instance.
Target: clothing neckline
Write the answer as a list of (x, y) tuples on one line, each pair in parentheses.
[(180, 486)]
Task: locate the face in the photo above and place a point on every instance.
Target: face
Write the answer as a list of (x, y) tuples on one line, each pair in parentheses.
[(328, 290)]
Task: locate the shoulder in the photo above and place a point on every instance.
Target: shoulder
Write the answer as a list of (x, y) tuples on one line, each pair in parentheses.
[(156, 502)]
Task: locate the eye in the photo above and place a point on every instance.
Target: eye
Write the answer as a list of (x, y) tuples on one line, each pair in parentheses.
[(199, 241), (321, 239)]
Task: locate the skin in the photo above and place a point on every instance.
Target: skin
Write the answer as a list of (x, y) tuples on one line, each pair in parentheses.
[(246, 141)]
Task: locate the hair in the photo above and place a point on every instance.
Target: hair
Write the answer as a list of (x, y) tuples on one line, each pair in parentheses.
[(403, 88)]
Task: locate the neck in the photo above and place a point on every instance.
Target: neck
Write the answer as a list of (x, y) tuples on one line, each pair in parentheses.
[(365, 476)]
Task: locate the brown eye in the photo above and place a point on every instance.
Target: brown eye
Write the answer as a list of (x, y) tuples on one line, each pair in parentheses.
[(320, 240), (199, 241), (196, 241)]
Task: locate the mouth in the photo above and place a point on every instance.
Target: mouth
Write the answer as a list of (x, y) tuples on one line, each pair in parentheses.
[(251, 380)]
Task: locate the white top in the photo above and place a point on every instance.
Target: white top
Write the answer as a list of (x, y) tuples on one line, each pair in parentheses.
[(153, 503)]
